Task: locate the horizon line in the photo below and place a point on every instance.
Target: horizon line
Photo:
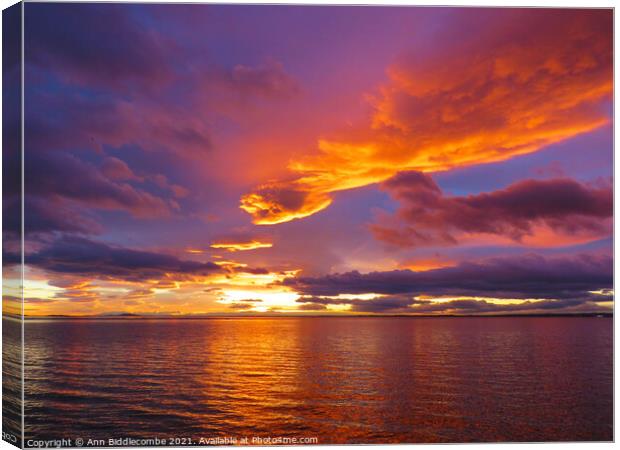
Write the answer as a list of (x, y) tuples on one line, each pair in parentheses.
[(131, 316)]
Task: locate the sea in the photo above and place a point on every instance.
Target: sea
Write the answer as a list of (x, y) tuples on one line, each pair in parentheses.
[(315, 380)]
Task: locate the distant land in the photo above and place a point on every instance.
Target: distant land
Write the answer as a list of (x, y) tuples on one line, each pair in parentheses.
[(131, 316)]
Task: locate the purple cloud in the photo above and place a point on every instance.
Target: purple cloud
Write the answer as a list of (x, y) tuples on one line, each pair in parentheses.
[(64, 175), (80, 256), (529, 276), (428, 216), (95, 45)]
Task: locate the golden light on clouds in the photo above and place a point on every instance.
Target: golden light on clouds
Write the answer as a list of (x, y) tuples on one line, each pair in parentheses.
[(492, 300), (603, 292), (260, 300), (230, 264), (241, 279), (422, 265), (241, 246), (172, 294), (486, 101), (277, 203)]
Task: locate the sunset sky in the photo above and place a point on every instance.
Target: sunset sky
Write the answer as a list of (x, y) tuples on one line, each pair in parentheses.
[(192, 159)]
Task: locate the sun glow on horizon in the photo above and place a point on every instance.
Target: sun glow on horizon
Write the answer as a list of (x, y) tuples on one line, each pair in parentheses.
[(260, 301)]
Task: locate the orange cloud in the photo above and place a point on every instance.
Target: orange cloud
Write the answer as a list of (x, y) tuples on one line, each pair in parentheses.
[(274, 203), (425, 264), (241, 246), (194, 251), (530, 79)]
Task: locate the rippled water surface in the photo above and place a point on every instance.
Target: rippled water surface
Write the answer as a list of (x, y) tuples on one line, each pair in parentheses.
[(357, 380)]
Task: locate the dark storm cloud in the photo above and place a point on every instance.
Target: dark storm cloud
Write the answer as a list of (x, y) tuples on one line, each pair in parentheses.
[(529, 276), (80, 256), (428, 216), (75, 255)]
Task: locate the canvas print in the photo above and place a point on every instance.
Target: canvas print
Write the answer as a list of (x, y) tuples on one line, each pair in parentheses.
[(298, 225)]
